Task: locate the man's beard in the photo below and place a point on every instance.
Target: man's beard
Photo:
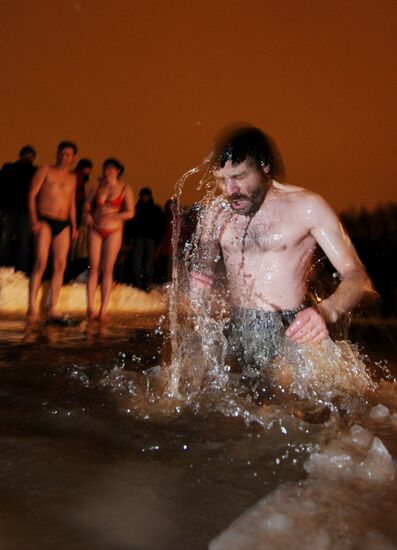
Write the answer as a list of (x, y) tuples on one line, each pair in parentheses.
[(254, 202)]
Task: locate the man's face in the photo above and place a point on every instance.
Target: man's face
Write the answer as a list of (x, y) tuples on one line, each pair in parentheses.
[(244, 185), (66, 157)]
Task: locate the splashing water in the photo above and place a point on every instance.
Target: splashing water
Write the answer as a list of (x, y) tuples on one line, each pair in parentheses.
[(217, 350), (209, 370), (197, 340)]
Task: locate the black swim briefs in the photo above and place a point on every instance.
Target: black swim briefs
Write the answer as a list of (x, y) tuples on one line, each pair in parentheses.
[(56, 226), (255, 336)]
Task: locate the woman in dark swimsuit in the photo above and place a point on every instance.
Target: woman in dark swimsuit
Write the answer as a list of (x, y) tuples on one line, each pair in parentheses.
[(109, 204)]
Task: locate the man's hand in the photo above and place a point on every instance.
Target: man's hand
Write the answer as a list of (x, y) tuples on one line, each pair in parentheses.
[(200, 281), (36, 226), (74, 232), (308, 326), (200, 287)]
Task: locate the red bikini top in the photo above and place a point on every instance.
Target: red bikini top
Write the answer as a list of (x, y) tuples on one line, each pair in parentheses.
[(116, 202)]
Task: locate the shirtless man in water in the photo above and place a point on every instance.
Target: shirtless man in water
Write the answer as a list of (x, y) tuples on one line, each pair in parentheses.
[(53, 215), (266, 232)]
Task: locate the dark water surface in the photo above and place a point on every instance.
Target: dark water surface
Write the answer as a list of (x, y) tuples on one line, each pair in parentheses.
[(78, 469)]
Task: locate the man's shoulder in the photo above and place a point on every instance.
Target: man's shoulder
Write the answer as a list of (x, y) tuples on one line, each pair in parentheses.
[(44, 168), (314, 207), (54, 170), (6, 169), (72, 175), (42, 172), (299, 195)]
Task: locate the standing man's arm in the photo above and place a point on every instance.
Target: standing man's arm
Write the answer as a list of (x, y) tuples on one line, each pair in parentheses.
[(355, 283), (35, 186)]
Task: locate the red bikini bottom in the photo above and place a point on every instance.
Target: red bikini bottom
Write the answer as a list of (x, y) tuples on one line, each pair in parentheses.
[(104, 233)]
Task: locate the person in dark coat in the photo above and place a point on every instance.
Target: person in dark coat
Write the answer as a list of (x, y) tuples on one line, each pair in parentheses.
[(163, 264), (147, 230), (15, 181), (83, 171)]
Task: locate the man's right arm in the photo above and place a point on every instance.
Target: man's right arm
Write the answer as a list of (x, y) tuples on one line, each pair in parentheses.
[(208, 251), (35, 186)]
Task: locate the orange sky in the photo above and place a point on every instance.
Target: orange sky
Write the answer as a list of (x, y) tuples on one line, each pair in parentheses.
[(151, 82)]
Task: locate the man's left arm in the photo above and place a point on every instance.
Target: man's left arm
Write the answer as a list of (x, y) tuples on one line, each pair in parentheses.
[(310, 324)]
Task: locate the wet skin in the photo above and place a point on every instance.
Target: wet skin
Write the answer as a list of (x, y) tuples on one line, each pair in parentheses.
[(267, 233)]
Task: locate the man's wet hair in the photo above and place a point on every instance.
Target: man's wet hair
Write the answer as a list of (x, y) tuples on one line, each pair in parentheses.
[(27, 150), (115, 163), (84, 163), (67, 145), (248, 142)]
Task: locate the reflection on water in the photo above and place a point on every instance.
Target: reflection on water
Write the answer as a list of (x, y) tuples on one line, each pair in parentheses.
[(79, 470), (90, 457)]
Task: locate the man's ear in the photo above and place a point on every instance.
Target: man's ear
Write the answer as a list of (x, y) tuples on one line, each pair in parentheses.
[(266, 168)]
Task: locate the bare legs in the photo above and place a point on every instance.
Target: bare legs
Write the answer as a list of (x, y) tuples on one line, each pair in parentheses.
[(103, 253), (42, 247), (94, 253), (60, 247), (110, 249)]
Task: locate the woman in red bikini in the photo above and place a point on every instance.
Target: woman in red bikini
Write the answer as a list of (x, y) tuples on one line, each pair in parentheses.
[(109, 204)]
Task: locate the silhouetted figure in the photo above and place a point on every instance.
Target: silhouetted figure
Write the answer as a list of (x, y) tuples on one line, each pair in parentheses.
[(147, 231), (83, 171), (15, 181), (163, 265)]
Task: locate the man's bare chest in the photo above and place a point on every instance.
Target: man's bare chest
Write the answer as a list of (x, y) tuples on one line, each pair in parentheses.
[(55, 184), (260, 236)]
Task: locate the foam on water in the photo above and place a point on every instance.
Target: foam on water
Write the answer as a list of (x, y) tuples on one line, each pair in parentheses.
[(328, 373)]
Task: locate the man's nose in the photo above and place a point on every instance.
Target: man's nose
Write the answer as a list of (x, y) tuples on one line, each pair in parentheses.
[(231, 187)]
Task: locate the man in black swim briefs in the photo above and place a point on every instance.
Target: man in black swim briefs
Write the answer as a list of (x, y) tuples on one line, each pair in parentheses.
[(53, 215), (266, 233)]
